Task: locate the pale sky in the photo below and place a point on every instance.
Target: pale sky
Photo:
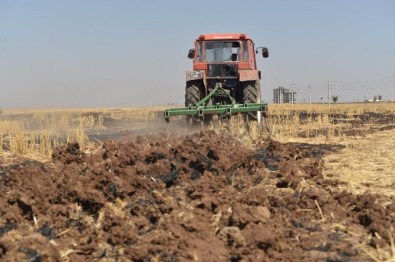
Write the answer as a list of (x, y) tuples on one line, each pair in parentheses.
[(100, 53)]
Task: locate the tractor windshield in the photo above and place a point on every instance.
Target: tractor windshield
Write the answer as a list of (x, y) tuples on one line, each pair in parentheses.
[(221, 51)]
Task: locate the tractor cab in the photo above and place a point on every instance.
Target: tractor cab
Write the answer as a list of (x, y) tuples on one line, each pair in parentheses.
[(222, 57)]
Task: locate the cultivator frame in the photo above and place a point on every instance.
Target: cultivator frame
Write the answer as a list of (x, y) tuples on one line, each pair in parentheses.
[(201, 109)]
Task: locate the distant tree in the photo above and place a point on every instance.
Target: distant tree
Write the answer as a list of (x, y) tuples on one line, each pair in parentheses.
[(335, 99), (380, 97), (322, 101), (374, 98)]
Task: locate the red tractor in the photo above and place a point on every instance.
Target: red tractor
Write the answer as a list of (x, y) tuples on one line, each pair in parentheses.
[(225, 79)]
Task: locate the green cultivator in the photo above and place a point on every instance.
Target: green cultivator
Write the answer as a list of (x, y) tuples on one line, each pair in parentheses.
[(205, 109)]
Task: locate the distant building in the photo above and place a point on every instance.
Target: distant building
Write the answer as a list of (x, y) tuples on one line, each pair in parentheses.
[(283, 95)]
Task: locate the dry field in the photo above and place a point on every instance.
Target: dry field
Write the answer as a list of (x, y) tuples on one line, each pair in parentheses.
[(35, 133), (365, 130), (121, 184)]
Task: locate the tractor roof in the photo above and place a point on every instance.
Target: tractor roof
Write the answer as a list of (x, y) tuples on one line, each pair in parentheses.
[(230, 36)]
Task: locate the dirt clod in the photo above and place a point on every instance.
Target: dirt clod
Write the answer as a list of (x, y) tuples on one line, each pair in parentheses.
[(202, 197)]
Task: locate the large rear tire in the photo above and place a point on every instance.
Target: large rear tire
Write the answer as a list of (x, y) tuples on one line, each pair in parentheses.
[(192, 97), (252, 94)]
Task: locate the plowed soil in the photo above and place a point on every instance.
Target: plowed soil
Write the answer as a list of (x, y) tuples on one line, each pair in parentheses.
[(201, 197)]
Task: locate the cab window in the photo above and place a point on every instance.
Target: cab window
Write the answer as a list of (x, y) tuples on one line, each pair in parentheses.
[(253, 51), (216, 51), (199, 56), (245, 51)]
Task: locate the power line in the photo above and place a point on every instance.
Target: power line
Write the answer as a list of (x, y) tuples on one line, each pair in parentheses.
[(365, 82), (364, 88), (343, 86), (365, 85)]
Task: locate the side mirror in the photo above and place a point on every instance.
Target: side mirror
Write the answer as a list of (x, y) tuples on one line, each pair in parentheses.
[(191, 53), (265, 52)]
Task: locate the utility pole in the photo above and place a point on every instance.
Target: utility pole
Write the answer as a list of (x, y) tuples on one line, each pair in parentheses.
[(292, 93), (310, 91), (329, 93), (292, 96)]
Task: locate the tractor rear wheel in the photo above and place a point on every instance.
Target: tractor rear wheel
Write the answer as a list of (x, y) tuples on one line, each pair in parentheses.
[(252, 94), (192, 95)]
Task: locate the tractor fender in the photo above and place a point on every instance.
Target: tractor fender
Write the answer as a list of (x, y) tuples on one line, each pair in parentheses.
[(249, 75), (194, 75)]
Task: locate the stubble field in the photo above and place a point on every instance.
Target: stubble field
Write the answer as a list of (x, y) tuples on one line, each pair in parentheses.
[(120, 184)]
